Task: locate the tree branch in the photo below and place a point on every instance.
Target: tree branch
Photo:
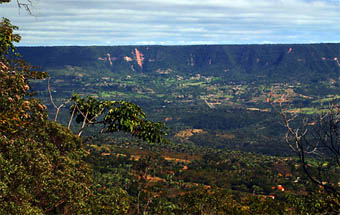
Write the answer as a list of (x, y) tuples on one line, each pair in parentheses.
[(26, 6), (51, 98)]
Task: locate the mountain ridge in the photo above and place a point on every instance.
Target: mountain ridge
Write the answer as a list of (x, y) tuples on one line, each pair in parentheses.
[(206, 59), (221, 89)]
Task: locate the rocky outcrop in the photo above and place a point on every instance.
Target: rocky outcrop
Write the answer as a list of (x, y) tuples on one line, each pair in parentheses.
[(109, 58), (337, 60), (139, 57), (334, 59), (290, 50), (127, 59), (235, 62)]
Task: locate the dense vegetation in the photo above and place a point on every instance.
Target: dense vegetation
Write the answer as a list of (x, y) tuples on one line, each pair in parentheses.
[(221, 90), (41, 162), (172, 179), (211, 97)]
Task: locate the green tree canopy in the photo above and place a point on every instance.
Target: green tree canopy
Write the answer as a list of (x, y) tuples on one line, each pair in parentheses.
[(41, 162), (116, 116), (41, 170)]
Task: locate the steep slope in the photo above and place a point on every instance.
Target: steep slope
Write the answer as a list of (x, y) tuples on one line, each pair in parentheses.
[(221, 90), (235, 62)]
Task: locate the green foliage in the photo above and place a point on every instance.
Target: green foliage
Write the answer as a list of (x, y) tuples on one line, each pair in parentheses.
[(43, 172), (42, 168), (314, 203), (7, 37), (213, 182), (108, 200), (221, 201), (221, 89), (116, 116)]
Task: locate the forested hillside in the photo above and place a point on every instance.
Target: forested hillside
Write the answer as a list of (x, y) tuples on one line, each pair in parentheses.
[(233, 62), (220, 91), (168, 130), (48, 168)]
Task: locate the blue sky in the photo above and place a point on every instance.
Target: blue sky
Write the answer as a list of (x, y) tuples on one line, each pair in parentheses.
[(175, 22)]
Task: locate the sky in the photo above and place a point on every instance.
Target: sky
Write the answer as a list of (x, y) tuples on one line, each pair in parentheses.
[(175, 22)]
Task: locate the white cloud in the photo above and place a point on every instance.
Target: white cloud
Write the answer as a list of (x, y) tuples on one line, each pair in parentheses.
[(103, 22)]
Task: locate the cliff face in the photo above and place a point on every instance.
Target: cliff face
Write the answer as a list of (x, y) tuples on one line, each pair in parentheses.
[(139, 58), (233, 60)]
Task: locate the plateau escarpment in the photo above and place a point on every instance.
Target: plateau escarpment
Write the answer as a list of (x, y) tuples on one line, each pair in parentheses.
[(236, 62), (222, 90)]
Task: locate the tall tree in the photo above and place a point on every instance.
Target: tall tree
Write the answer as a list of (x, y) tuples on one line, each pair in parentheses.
[(316, 141), (41, 170), (41, 162)]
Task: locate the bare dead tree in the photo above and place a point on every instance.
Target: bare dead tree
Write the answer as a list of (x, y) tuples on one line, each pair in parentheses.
[(27, 5), (75, 108), (53, 103), (87, 121), (22, 4), (143, 185), (316, 138)]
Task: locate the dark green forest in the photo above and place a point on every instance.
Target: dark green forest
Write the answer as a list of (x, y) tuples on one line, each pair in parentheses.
[(222, 90), (218, 129)]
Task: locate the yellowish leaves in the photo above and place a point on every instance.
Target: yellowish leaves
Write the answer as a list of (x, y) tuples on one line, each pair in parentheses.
[(245, 208), (26, 87), (26, 105), (3, 66), (26, 116), (42, 107)]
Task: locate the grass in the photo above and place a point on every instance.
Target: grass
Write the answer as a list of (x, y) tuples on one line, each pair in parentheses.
[(193, 83), (326, 100), (308, 110), (110, 94)]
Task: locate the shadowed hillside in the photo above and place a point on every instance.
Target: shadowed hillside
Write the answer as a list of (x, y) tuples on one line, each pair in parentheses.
[(222, 90), (235, 62)]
